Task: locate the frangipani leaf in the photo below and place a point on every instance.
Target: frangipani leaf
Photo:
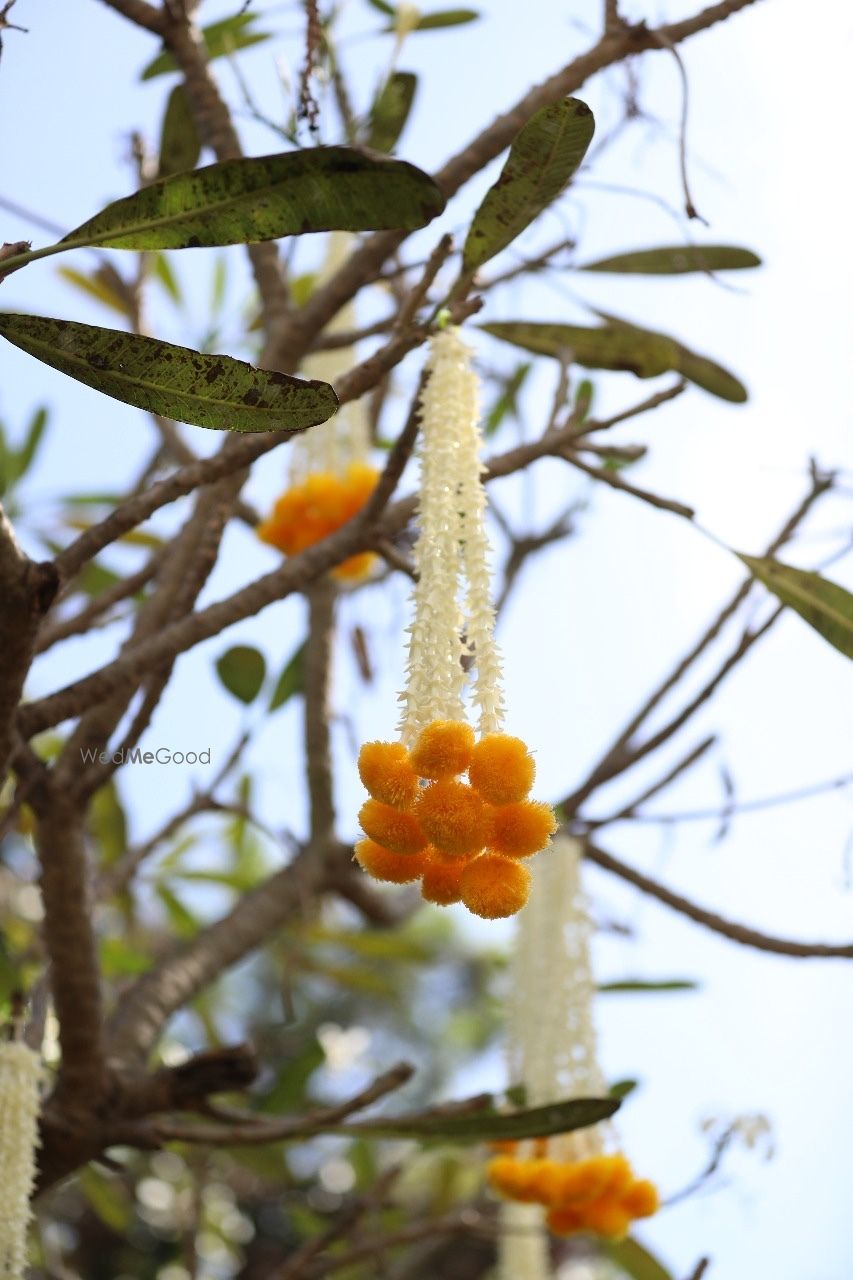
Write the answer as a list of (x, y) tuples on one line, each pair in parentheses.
[(541, 162), (291, 680), (224, 37), (206, 390), (627, 985), (634, 1260), (248, 200), (676, 260), (824, 605), (488, 1125), (619, 345), (180, 144), (242, 670), (390, 111)]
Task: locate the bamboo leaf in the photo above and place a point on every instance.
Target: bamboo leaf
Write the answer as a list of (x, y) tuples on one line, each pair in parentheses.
[(540, 164), (489, 1125), (242, 670), (206, 390), (824, 605), (228, 36), (676, 260), (180, 144), (391, 109)]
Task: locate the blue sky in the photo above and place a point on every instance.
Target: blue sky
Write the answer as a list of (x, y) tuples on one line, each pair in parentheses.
[(598, 621)]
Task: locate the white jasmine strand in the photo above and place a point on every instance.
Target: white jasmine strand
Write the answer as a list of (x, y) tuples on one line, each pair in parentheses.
[(345, 438), (435, 676), (476, 565), (523, 1243), (552, 1041), (20, 1079)]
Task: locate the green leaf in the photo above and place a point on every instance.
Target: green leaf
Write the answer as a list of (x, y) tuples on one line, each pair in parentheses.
[(26, 454), (208, 391), (634, 1260), (823, 604), (225, 37), (541, 162), (383, 7), (181, 920), (677, 260), (108, 824), (391, 109), (97, 286), (180, 143), (108, 1197), (640, 984), (446, 18), (710, 376), (507, 401), (290, 681), (247, 200), (165, 275), (242, 671), (623, 346), (489, 1125), (643, 353), (622, 1088)]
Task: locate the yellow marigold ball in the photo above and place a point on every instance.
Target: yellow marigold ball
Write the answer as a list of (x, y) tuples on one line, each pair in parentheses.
[(384, 864), (564, 1221), (605, 1218), (581, 1180), (618, 1173), (494, 887), (509, 1177), (453, 817), (505, 1174), (440, 882), (501, 769), (541, 1176), (520, 830), (399, 832), (443, 749), (641, 1200), (355, 568), (387, 773)]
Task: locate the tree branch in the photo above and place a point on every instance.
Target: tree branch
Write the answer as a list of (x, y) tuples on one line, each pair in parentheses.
[(740, 933)]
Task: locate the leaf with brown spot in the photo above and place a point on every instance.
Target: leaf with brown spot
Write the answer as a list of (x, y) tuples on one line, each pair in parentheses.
[(540, 164), (262, 198), (205, 390)]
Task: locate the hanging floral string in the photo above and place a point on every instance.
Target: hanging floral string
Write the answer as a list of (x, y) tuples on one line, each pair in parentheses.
[(464, 840), (581, 1179), (20, 1081), (330, 475)]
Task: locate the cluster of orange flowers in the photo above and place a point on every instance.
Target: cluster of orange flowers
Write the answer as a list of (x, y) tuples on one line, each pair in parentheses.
[(320, 504), (461, 840), (599, 1194)]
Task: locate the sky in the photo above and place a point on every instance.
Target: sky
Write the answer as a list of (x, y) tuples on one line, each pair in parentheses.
[(596, 622)]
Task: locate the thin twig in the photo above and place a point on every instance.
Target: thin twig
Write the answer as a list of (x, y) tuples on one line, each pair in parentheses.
[(740, 933)]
